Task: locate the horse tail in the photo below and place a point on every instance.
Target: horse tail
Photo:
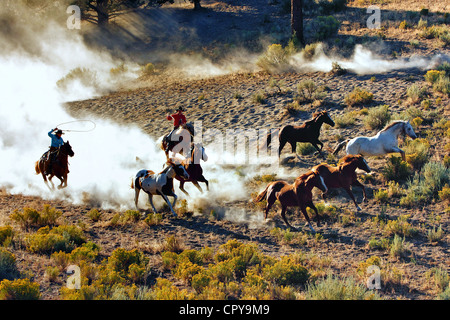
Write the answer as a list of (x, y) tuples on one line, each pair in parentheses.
[(36, 167), (269, 140), (340, 146), (262, 194), (132, 183)]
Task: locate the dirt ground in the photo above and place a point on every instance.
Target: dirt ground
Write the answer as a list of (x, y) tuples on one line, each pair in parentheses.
[(228, 102)]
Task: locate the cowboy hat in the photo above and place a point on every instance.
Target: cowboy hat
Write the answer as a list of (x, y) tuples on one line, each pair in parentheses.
[(59, 131), (180, 109)]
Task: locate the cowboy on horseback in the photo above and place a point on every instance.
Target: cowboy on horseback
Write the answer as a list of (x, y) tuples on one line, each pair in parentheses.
[(178, 119), (56, 142)]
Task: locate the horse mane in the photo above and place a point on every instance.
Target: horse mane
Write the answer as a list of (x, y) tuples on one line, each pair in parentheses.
[(169, 163), (349, 158), (392, 124)]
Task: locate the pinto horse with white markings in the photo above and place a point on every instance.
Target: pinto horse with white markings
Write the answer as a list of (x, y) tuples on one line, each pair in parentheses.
[(158, 184), (298, 194), (385, 141)]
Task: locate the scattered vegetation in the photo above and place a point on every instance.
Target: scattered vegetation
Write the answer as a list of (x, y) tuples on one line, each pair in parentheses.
[(358, 97)]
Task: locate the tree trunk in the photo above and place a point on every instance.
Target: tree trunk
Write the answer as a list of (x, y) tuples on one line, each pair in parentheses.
[(297, 20), (197, 5), (102, 13)]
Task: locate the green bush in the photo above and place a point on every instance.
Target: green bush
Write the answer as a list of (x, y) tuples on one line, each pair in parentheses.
[(275, 59), (29, 217), (333, 288), (426, 185), (20, 289), (377, 117), (358, 97), (126, 265), (62, 238), (325, 27), (8, 268), (286, 272), (396, 169), (6, 234)]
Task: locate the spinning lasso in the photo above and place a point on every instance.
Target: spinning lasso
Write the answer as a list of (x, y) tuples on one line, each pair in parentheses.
[(92, 126)]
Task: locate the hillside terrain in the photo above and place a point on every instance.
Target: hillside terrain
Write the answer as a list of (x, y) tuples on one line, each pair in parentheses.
[(225, 249)]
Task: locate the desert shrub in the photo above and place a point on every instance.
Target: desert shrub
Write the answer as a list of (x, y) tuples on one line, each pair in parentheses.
[(94, 214), (6, 234), (166, 290), (345, 120), (433, 75), (325, 27), (275, 59), (381, 195), (289, 237), (442, 85), (415, 93), (119, 70), (404, 25), (259, 97), (309, 50), (172, 244), (399, 248), (435, 235), (396, 169), (286, 272), (333, 288), (426, 185), (401, 227), (153, 219), (85, 76), (444, 194), (305, 148), (445, 67), (417, 152), (307, 90), (29, 217), (329, 6), (336, 69), (20, 289), (148, 69), (8, 268), (125, 266), (358, 97), (86, 252), (377, 117), (61, 238)]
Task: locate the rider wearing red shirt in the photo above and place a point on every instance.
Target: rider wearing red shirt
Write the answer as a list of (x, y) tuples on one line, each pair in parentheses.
[(178, 119)]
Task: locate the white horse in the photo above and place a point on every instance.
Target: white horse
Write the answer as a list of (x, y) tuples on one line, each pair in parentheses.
[(385, 141), (158, 184)]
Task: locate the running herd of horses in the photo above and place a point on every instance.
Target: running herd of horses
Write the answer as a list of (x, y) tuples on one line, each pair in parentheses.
[(298, 194)]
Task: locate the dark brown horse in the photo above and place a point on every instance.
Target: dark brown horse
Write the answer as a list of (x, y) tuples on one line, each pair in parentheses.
[(344, 175), (298, 194), (307, 132), (194, 169), (60, 168)]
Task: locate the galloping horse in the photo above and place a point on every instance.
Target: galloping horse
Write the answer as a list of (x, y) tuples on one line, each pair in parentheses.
[(307, 132), (194, 169), (298, 194), (60, 168), (385, 141), (184, 134), (160, 183), (344, 176)]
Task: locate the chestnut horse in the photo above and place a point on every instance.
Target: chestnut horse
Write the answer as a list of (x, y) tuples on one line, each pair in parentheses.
[(307, 132), (344, 175), (298, 194), (60, 168), (194, 169)]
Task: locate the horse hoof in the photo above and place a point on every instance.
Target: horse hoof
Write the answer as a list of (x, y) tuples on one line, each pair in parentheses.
[(358, 208)]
